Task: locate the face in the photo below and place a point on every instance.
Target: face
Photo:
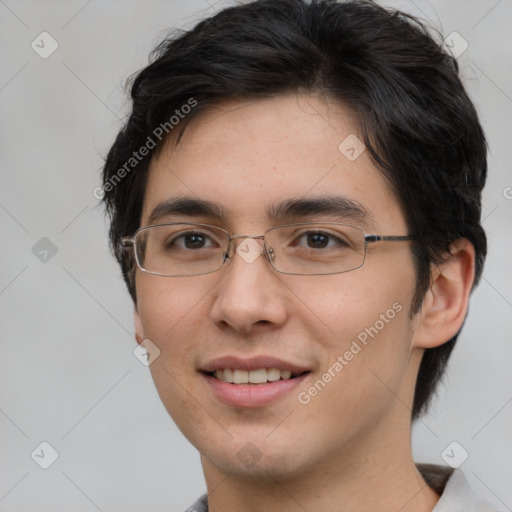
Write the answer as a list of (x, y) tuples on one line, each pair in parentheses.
[(346, 337)]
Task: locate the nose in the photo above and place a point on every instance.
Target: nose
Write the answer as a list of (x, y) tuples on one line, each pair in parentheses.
[(250, 294)]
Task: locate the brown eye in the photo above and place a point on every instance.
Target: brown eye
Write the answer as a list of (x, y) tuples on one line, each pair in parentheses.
[(190, 240), (319, 240)]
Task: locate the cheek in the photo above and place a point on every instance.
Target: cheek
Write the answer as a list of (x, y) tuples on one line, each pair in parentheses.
[(166, 306), (344, 305), (363, 330), (169, 310), (362, 375)]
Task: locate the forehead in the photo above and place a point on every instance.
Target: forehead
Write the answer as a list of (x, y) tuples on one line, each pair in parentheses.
[(249, 158)]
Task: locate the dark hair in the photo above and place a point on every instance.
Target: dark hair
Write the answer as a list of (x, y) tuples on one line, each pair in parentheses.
[(417, 121)]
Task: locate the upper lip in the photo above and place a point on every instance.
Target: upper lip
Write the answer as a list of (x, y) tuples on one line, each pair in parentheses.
[(252, 363)]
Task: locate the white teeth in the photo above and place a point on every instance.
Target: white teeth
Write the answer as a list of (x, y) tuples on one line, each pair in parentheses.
[(273, 374), (240, 376), (260, 376)]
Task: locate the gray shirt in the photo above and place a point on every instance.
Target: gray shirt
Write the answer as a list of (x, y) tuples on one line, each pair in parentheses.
[(455, 491)]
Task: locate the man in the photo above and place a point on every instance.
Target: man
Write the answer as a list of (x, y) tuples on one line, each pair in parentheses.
[(295, 205)]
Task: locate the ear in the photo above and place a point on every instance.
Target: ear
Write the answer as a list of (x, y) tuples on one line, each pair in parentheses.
[(139, 331), (446, 303)]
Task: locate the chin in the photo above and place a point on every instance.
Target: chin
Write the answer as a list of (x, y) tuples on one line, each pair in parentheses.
[(271, 463)]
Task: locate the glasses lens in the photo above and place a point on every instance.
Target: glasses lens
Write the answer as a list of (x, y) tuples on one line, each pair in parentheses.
[(181, 249), (325, 248)]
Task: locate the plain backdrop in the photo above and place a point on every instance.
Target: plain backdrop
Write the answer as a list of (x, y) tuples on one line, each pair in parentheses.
[(68, 375)]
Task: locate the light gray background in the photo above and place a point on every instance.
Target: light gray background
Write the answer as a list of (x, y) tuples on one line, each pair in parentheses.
[(68, 375)]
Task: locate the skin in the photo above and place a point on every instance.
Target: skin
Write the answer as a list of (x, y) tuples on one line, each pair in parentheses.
[(349, 448)]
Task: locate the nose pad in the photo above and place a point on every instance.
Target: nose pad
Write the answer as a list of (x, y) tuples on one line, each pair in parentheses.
[(226, 256)]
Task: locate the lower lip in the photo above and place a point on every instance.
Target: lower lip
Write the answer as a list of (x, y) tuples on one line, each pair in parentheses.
[(252, 395)]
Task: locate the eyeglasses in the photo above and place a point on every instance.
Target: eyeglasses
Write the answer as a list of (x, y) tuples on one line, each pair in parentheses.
[(189, 249)]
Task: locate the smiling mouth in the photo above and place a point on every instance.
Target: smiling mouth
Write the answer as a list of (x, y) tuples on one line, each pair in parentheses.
[(260, 376)]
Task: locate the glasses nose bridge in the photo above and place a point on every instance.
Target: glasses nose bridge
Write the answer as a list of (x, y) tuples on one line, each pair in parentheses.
[(261, 237)]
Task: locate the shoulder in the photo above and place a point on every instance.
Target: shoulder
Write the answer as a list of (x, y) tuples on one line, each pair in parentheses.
[(456, 493), (455, 490), (201, 505)]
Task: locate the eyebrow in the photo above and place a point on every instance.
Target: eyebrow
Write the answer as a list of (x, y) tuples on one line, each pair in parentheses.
[(339, 207)]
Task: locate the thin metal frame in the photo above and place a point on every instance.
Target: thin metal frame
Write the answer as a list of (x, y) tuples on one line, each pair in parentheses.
[(126, 242)]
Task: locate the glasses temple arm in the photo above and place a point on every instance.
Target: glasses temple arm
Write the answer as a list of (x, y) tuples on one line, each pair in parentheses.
[(390, 238)]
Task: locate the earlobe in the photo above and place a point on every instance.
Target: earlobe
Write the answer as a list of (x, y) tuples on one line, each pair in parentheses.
[(139, 331), (445, 304)]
